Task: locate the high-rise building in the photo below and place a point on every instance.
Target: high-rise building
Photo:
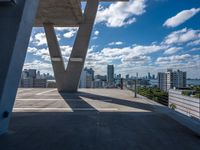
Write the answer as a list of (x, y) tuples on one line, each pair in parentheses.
[(32, 73), (110, 75), (86, 80), (171, 79), (179, 79), (127, 76), (31, 79), (162, 81), (153, 76), (90, 71)]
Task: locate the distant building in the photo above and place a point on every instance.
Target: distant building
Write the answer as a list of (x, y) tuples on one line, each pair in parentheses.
[(127, 76), (31, 79), (98, 83), (100, 77), (149, 75), (153, 76), (27, 83), (87, 78), (162, 81), (119, 76), (110, 75), (171, 79), (39, 83), (90, 71)]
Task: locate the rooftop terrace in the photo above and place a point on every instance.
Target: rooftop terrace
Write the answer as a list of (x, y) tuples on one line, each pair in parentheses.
[(92, 119)]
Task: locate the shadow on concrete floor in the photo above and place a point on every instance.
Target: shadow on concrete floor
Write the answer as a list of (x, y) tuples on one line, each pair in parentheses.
[(81, 95), (97, 131)]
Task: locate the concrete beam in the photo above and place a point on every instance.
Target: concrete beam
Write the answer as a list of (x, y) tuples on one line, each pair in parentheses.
[(15, 29)]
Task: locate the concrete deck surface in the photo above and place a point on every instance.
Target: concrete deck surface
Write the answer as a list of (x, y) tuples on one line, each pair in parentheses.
[(93, 119)]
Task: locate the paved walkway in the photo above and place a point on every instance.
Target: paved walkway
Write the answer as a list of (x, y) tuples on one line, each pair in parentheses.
[(92, 119)]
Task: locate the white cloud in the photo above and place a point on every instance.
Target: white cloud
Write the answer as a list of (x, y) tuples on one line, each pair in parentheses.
[(172, 50), (115, 43), (39, 65), (66, 51), (96, 33), (173, 59), (31, 49), (131, 51), (63, 28), (40, 39), (182, 36), (70, 33), (137, 60), (134, 55), (195, 49), (194, 43), (181, 17), (44, 52), (121, 13)]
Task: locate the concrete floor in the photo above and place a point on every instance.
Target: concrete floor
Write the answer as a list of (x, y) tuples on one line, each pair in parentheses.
[(93, 119)]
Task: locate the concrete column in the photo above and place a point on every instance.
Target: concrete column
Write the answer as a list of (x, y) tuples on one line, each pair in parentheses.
[(16, 21), (55, 54), (79, 51)]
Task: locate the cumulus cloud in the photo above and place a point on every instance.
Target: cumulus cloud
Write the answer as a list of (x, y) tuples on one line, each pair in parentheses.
[(39, 39), (70, 32), (172, 50), (194, 43), (121, 13), (39, 65), (182, 36), (135, 55), (181, 17), (31, 49), (173, 59), (43, 53)]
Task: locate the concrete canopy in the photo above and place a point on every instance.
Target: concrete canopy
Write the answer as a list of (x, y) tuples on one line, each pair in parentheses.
[(61, 13)]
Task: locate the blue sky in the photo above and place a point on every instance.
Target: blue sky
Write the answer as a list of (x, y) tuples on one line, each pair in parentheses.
[(136, 36)]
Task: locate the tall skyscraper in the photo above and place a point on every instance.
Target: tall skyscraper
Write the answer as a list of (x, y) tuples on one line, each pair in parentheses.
[(110, 75), (149, 75), (171, 79)]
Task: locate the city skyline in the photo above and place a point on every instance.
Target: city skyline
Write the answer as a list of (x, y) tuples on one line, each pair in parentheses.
[(145, 75), (134, 46)]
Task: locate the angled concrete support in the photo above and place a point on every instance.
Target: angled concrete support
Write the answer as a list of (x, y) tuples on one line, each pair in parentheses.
[(16, 21), (56, 56), (79, 51), (68, 80)]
